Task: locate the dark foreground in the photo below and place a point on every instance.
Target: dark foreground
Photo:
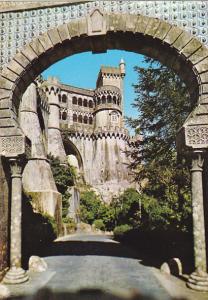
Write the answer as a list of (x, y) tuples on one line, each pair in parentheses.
[(96, 267)]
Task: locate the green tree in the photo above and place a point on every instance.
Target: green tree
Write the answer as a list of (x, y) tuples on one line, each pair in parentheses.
[(92, 209), (128, 208), (64, 176), (163, 104)]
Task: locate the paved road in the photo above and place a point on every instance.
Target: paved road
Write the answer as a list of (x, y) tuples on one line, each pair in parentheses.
[(92, 261)]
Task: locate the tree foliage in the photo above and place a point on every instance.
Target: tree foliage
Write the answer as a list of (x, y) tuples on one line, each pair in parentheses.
[(163, 104), (92, 209), (64, 176)]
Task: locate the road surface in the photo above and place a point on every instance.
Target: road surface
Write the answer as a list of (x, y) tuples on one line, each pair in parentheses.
[(96, 261)]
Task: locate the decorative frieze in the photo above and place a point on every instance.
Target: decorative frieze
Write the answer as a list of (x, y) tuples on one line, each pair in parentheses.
[(196, 136), (12, 145), (21, 26)]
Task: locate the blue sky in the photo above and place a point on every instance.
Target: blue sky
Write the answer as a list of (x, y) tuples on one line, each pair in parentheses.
[(81, 70)]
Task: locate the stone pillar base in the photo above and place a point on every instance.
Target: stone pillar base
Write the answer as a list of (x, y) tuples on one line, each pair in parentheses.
[(15, 276), (198, 281)]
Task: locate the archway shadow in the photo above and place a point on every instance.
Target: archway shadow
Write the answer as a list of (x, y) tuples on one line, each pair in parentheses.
[(82, 248), (108, 248)]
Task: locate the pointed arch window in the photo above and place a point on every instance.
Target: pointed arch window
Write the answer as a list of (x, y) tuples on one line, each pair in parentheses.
[(74, 118), (90, 104), (64, 115), (85, 120), (80, 119), (74, 100)]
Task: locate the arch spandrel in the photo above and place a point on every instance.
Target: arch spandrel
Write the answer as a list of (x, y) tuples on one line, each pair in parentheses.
[(156, 38)]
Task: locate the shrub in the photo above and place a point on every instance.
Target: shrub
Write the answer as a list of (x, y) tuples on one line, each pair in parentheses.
[(91, 209), (99, 224), (120, 231), (69, 224)]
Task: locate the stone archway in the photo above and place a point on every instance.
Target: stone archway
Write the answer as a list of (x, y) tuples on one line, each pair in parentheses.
[(70, 148), (97, 33)]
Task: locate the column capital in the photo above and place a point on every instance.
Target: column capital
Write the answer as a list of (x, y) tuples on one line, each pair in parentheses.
[(197, 161), (16, 166)]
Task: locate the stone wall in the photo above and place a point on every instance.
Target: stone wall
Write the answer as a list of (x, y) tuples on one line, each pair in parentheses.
[(105, 163)]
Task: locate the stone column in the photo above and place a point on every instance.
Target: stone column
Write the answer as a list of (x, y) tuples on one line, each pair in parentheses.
[(16, 274), (198, 280)]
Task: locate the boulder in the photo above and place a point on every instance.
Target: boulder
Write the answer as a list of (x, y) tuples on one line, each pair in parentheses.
[(37, 264)]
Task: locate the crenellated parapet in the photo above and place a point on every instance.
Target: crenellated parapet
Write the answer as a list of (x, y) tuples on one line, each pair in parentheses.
[(99, 134), (108, 97)]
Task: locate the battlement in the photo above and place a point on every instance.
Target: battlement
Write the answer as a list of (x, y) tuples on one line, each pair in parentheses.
[(98, 134), (111, 75)]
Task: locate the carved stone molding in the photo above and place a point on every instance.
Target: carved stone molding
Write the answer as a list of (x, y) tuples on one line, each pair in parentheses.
[(197, 136), (12, 145), (197, 161), (16, 166)]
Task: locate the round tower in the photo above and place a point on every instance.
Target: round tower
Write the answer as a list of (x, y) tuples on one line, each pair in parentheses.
[(55, 143), (108, 98), (108, 111)]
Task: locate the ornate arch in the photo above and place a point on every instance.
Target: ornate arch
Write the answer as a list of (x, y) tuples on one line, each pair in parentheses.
[(98, 32)]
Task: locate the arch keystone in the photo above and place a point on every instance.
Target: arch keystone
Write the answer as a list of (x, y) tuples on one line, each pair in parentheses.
[(96, 23)]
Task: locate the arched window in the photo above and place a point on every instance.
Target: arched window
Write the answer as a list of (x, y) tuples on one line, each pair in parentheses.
[(114, 99), (80, 101), (80, 119), (85, 119), (74, 100), (85, 103), (90, 120), (64, 115), (90, 104), (74, 118), (114, 117), (109, 99), (103, 100), (64, 98), (98, 101)]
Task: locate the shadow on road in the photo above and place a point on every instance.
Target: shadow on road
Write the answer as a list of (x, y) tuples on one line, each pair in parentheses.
[(83, 248), (103, 248), (84, 294)]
